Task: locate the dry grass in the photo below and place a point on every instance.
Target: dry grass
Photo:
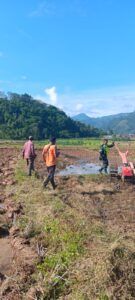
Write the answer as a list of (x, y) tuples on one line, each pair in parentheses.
[(83, 234)]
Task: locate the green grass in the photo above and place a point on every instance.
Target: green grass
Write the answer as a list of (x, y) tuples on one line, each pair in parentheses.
[(91, 143), (80, 142), (103, 296)]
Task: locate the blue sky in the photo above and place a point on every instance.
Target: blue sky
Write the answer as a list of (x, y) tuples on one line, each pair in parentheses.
[(76, 54)]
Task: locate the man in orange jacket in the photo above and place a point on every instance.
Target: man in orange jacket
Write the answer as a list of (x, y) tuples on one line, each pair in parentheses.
[(50, 155)]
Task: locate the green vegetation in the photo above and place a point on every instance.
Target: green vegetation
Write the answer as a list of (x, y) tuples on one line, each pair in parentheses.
[(64, 245), (103, 297), (21, 115), (90, 143), (118, 124)]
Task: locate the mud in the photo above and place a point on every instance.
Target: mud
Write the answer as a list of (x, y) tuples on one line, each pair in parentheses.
[(15, 253), (6, 171), (81, 168)]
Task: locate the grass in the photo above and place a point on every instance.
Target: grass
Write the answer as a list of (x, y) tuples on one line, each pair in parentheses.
[(64, 246), (45, 218), (82, 256), (91, 143), (103, 296)]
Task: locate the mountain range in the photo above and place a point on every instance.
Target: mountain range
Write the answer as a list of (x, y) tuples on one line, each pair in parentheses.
[(123, 123)]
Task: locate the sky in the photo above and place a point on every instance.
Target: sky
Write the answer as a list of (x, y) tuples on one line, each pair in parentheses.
[(78, 55)]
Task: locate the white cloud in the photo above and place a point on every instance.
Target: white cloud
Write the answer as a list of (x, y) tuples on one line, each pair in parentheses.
[(43, 8), (95, 103), (100, 102), (79, 106), (51, 92), (50, 8)]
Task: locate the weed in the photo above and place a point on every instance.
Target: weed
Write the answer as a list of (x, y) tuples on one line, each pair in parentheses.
[(64, 246), (103, 296), (19, 171), (58, 206), (23, 222), (98, 230)]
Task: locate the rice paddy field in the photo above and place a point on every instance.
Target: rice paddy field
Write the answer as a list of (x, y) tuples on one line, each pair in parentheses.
[(74, 243)]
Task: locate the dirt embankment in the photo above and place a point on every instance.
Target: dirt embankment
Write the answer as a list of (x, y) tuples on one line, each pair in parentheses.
[(16, 256)]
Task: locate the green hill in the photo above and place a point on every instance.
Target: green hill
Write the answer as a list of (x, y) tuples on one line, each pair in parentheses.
[(120, 123), (21, 115)]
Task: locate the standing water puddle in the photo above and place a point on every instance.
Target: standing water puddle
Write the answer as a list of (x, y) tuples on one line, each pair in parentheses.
[(82, 169)]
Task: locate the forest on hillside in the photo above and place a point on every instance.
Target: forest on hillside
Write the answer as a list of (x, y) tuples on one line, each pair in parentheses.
[(21, 115), (122, 123)]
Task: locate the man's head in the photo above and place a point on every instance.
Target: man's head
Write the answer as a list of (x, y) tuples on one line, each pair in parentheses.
[(30, 138), (105, 141), (53, 140)]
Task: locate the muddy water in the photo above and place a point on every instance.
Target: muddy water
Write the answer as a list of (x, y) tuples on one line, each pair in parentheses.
[(82, 168)]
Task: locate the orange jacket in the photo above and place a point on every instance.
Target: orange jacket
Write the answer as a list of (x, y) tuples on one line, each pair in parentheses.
[(49, 155)]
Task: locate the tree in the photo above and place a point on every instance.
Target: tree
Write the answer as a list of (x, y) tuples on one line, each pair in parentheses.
[(21, 115)]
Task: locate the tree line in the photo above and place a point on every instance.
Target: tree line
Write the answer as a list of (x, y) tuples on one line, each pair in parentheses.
[(21, 115)]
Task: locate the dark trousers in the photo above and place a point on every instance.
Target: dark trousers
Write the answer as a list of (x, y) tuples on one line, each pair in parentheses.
[(104, 166), (30, 165), (50, 177)]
